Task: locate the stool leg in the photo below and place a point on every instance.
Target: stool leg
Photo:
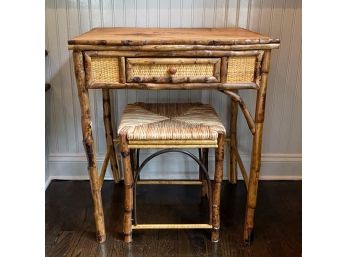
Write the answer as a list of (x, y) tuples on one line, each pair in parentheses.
[(219, 157), (128, 189), (109, 134), (88, 142), (204, 159), (233, 134)]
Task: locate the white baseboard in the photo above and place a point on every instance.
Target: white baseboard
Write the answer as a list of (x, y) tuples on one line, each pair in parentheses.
[(72, 166), (48, 181)]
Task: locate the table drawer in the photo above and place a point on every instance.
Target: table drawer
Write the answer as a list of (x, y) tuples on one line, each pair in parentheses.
[(173, 70)]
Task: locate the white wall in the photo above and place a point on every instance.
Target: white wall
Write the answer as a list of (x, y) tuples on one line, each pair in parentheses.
[(47, 103), (277, 18)]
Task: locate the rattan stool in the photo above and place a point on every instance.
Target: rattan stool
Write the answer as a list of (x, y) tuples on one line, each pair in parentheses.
[(171, 126)]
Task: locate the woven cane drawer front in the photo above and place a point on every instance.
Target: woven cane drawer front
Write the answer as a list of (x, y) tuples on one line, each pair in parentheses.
[(173, 70), (241, 69), (104, 70), (244, 69)]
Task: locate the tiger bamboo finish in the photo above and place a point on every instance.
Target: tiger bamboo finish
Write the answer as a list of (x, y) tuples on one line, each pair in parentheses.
[(256, 150), (124, 43), (128, 189), (89, 146), (233, 135), (174, 86), (109, 134), (219, 157)]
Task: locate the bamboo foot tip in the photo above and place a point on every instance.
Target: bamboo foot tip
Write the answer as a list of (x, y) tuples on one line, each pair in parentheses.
[(215, 237), (127, 239), (250, 237), (101, 238)]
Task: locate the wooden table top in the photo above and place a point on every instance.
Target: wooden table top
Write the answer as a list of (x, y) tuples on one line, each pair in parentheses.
[(172, 36)]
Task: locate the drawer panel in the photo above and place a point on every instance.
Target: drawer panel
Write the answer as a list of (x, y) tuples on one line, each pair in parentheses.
[(244, 67), (241, 69), (173, 70)]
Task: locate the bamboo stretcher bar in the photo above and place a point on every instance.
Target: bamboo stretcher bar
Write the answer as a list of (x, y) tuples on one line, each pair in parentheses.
[(169, 182), (174, 86), (172, 226), (104, 167)]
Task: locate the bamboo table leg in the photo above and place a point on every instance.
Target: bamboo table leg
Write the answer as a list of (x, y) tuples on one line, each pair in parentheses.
[(109, 134), (219, 157), (88, 142), (233, 134), (256, 151), (128, 189)]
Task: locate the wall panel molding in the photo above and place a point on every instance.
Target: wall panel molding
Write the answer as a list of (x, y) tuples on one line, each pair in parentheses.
[(175, 166)]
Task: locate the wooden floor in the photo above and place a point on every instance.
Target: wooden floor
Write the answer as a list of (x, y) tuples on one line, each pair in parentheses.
[(70, 225)]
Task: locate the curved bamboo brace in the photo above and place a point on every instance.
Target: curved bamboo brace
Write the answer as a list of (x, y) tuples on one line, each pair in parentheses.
[(247, 115)]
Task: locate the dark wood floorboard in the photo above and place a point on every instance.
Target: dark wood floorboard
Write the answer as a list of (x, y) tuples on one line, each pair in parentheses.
[(70, 224)]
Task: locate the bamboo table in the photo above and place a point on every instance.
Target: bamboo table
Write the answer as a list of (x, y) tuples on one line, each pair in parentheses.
[(236, 59)]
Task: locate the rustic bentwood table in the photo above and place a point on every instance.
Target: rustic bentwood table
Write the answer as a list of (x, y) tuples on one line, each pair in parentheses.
[(109, 58)]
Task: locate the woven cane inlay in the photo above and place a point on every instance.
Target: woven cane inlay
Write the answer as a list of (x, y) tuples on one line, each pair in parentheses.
[(177, 121), (241, 69), (183, 70), (104, 70)]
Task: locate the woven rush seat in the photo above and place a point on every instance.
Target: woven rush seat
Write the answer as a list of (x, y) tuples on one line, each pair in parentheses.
[(170, 121)]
